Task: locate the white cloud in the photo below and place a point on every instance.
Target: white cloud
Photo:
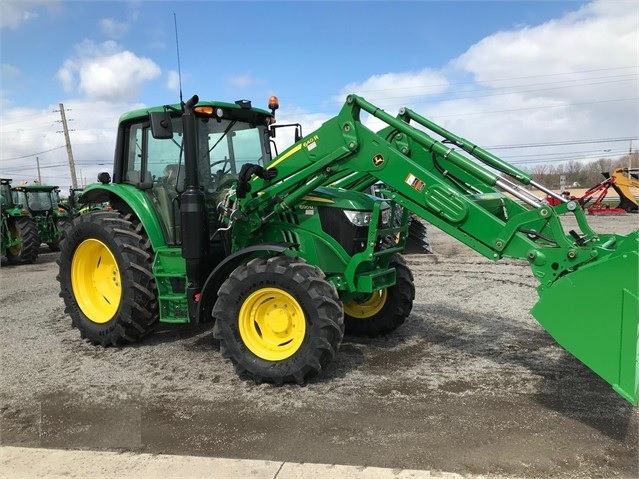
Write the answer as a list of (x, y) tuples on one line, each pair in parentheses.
[(14, 13), (385, 89), (600, 36), (93, 126), (572, 78), (544, 83), (173, 80), (242, 81), (108, 78), (105, 72), (9, 71), (112, 28)]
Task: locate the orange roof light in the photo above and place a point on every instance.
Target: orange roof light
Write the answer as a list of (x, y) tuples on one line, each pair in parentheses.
[(204, 110), (273, 103)]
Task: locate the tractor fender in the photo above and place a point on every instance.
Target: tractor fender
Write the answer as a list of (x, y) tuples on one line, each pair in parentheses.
[(208, 295), (126, 199)]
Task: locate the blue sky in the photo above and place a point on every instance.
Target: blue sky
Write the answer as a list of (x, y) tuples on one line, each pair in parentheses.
[(504, 73)]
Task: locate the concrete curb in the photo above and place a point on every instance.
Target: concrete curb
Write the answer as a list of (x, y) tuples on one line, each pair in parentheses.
[(22, 462)]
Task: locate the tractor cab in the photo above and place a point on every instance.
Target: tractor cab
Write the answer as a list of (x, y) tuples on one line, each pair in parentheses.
[(39, 200), (43, 203), (5, 194), (151, 157)]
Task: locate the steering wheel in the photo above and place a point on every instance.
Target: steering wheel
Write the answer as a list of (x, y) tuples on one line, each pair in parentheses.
[(226, 165)]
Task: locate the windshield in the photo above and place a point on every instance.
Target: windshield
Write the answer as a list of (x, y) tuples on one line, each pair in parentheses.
[(224, 145), (19, 198), (39, 200), (5, 191), (223, 148)]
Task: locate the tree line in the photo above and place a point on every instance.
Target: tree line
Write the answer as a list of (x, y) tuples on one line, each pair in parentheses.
[(580, 174)]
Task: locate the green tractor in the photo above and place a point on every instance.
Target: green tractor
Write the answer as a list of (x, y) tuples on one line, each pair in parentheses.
[(43, 202), (71, 203), (75, 208), (18, 231), (284, 252)]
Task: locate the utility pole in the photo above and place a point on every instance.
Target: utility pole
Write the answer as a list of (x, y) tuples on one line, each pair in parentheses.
[(74, 181), (38, 164)]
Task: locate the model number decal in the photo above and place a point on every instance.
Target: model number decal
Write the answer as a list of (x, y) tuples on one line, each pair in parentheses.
[(310, 143)]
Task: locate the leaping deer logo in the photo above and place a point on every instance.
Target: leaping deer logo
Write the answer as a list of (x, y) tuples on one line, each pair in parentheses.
[(378, 160)]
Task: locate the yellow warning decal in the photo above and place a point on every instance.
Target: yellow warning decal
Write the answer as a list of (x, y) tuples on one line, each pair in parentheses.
[(414, 182)]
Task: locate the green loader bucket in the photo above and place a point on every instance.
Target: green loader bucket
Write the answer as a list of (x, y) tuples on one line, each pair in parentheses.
[(593, 313)]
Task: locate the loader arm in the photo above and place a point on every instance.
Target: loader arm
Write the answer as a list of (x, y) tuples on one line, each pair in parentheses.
[(435, 182), (482, 202)]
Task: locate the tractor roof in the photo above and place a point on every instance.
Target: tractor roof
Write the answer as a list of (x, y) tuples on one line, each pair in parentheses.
[(35, 188), (143, 112)]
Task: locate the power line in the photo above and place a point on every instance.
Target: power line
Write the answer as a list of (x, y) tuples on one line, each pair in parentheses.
[(485, 93), (33, 154), (561, 143), (536, 107)]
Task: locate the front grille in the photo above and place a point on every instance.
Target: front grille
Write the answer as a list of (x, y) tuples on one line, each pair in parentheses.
[(290, 236), (334, 223)]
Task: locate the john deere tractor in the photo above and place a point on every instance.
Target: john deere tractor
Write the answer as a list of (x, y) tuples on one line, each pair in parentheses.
[(43, 202), (286, 251), (75, 208), (18, 231)]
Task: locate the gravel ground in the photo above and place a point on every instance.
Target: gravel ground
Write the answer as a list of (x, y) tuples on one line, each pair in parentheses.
[(470, 384)]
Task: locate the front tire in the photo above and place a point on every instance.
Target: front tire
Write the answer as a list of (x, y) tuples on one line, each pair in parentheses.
[(278, 320), (27, 251), (383, 311), (106, 280)]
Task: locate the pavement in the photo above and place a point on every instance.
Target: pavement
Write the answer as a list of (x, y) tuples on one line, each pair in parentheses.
[(27, 463)]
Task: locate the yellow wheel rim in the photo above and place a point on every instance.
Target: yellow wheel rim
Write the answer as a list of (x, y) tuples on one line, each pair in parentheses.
[(15, 250), (96, 281), (272, 324), (368, 308)]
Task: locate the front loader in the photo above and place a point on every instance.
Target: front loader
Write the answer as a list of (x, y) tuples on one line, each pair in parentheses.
[(285, 252)]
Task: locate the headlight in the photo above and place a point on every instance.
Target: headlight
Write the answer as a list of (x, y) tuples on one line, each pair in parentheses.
[(359, 218), (386, 214)]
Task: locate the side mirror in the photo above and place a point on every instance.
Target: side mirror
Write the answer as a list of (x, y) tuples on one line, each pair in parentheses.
[(161, 127)]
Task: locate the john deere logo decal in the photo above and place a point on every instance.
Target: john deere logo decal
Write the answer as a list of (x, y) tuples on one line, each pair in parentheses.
[(378, 160)]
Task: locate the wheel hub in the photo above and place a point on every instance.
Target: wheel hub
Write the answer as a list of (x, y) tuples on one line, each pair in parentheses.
[(272, 324), (96, 281), (278, 319)]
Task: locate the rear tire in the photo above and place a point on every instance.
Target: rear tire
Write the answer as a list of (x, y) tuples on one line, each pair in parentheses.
[(106, 280), (278, 320), (27, 251), (383, 311)]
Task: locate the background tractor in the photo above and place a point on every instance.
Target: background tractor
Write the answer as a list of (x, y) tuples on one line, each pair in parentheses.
[(75, 208), (18, 231), (43, 202), (284, 252)]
